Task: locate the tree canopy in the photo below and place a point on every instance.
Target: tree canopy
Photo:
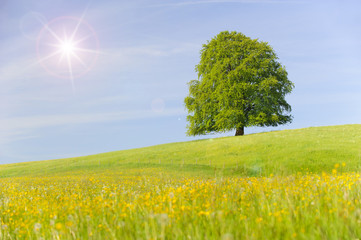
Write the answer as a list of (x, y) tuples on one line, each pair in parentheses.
[(240, 84)]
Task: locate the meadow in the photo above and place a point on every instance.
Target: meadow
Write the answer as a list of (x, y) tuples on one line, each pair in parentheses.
[(294, 184)]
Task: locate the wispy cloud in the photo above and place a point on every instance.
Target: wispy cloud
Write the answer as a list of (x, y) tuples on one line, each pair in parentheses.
[(226, 1), (19, 68), (11, 136), (16, 128)]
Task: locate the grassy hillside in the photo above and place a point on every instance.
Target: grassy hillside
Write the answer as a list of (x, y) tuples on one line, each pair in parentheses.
[(180, 190), (314, 149)]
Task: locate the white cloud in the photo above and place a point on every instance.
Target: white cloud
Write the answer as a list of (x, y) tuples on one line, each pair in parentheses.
[(16, 128), (19, 69), (224, 1)]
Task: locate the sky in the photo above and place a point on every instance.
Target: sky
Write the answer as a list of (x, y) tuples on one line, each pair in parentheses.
[(139, 57)]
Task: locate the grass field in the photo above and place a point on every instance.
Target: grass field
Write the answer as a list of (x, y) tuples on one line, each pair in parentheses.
[(294, 184)]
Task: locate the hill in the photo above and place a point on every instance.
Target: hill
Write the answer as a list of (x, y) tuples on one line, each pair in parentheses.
[(314, 149)]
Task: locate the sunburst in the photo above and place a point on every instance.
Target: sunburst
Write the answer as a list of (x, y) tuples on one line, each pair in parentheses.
[(67, 47)]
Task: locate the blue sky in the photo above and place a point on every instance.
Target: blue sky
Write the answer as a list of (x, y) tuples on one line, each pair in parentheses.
[(133, 96)]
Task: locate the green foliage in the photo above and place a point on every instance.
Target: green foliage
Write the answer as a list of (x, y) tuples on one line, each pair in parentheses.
[(240, 84)]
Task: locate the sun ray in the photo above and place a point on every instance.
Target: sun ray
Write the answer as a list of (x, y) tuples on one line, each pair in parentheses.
[(73, 45), (78, 25), (82, 39), (53, 45), (61, 58), (43, 59), (87, 50), (71, 73), (46, 26), (80, 60), (47, 57), (65, 35)]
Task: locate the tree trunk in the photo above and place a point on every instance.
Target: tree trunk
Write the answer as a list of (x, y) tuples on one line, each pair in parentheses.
[(240, 131)]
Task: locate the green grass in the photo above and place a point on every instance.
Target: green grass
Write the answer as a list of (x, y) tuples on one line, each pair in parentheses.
[(207, 189), (314, 149)]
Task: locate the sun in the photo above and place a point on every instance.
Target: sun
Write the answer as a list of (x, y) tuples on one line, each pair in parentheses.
[(67, 47)]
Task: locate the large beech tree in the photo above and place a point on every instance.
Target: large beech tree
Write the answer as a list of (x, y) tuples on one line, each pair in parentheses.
[(240, 84)]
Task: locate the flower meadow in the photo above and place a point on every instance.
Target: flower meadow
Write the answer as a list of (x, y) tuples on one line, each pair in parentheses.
[(119, 205)]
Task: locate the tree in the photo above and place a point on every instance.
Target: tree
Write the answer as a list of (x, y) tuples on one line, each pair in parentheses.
[(240, 84)]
